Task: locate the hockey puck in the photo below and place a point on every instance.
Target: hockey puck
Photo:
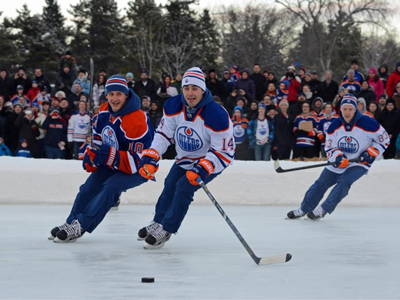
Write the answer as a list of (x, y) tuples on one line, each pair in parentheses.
[(148, 279)]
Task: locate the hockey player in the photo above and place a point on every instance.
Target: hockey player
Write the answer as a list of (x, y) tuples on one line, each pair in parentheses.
[(350, 136), (121, 132), (203, 135)]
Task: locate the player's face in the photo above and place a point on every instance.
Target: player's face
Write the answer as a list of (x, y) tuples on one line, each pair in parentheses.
[(348, 112), (328, 109), (117, 100), (193, 94)]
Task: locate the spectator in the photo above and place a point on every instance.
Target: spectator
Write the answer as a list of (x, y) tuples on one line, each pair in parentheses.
[(28, 130), (253, 110), (271, 79), (357, 75), (261, 135), (393, 79), (307, 92), (177, 83), (65, 79), (3, 111), (215, 86), (146, 103), (367, 92), (338, 99), (269, 102), (396, 95), (294, 84), (154, 114), (20, 93), (305, 139), (11, 131), (390, 120), (302, 74), (56, 135), (65, 111), (42, 96), (329, 87), (145, 86), (20, 78), (161, 97), (382, 102), (129, 79), (41, 80), (171, 90), (317, 106), (60, 95), (374, 110), (244, 85), (398, 147), (40, 118), (99, 88), (296, 109), (383, 74), (4, 150), (228, 84), (234, 96), (218, 100), (78, 128), (259, 81), (6, 85), (283, 91), (324, 121), (315, 84), (83, 81), (73, 98), (271, 90), (376, 83), (350, 83), (67, 59), (234, 74), (240, 125), (283, 130), (362, 105), (23, 149), (33, 92)]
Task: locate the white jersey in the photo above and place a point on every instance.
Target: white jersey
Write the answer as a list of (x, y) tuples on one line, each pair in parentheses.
[(353, 139), (78, 127), (205, 133)]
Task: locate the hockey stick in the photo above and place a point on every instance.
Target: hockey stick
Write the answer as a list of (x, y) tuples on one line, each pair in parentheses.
[(90, 103), (259, 261), (279, 169)]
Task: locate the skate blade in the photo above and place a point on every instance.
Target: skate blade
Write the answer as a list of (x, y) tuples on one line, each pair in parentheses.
[(58, 241), (299, 218), (141, 239), (51, 238), (152, 247)]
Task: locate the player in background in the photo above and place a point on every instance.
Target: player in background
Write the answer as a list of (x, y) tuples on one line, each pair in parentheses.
[(121, 131), (325, 119), (350, 136), (203, 136)]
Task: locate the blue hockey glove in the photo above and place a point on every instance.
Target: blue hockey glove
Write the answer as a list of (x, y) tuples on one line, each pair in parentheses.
[(368, 156), (341, 161), (104, 156), (87, 163)]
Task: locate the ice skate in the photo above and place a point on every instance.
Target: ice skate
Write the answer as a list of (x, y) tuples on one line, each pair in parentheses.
[(317, 214), (70, 233), (157, 238), (116, 206), (146, 231), (55, 230), (295, 214)]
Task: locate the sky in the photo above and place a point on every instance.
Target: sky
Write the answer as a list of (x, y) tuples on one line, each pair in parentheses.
[(36, 6)]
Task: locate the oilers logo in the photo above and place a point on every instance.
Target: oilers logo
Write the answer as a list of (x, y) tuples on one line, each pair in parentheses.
[(82, 124), (238, 131), (109, 137), (188, 139), (348, 144)]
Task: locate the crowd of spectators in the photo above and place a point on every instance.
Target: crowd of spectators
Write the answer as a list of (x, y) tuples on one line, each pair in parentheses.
[(274, 117)]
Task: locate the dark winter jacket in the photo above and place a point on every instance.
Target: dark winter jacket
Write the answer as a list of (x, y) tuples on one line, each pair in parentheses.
[(283, 130), (11, 132), (155, 117), (329, 91), (246, 85), (56, 131), (43, 82), (216, 87), (369, 95), (26, 83), (64, 81), (161, 100), (295, 110), (6, 87), (383, 75), (316, 87), (149, 89), (259, 80), (29, 130)]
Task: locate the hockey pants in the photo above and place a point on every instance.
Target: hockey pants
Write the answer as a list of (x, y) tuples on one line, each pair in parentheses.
[(98, 194), (175, 198), (327, 179)]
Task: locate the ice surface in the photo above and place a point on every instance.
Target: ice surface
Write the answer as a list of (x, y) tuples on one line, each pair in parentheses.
[(351, 254)]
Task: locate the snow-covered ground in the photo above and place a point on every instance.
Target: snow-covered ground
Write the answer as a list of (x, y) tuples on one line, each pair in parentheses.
[(351, 254)]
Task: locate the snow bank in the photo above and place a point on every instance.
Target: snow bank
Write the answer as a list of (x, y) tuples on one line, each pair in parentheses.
[(39, 181)]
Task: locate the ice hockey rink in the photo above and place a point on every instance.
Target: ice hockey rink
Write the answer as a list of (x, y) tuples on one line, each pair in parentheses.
[(351, 254)]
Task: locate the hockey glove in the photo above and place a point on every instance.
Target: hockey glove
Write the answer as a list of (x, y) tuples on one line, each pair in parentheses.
[(104, 156), (149, 163), (301, 132), (341, 161), (368, 156), (203, 169), (87, 163), (311, 133)]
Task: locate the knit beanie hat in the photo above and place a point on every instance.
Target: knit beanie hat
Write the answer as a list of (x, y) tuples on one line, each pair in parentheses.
[(372, 70), (194, 76), (283, 101), (263, 105), (349, 99), (117, 83), (129, 74)]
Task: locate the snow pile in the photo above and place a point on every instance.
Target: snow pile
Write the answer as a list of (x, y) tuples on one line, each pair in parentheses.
[(36, 181)]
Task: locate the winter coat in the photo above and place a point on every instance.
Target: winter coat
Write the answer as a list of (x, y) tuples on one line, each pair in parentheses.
[(56, 131), (84, 83), (43, 82), (252, 130), (155, 117), (329, 91), (216, 87), (29, 130), (161, 99), (149, 89), (23, 152), (383, 76), (393, 79), (6, 87), (283, 130), (259, 80), (71, 62), (247, 85), (316, 87), (11, 131), (26, 83), (4, 150), (377, 86), (391, 122), (368, 95), (64, 81), (294, 86)]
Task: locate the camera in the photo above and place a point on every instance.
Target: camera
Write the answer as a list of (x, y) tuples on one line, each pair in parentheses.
[(20, 74)]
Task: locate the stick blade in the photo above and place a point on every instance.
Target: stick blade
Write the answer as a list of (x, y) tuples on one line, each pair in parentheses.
[(275, 259), (277, 167)]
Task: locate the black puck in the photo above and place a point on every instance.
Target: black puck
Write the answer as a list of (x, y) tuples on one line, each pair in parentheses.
[(147, 279)]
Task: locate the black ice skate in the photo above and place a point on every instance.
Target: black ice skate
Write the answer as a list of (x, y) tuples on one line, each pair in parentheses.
[(317, 214), (116, 206), (70, 233), (145, 231), (157, 239), (295, 214), (55, 230)]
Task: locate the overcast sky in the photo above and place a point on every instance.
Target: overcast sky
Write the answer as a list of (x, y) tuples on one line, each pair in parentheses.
[(36, 6)]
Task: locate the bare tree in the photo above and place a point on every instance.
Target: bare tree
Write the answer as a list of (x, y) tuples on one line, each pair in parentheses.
[(342, 14)]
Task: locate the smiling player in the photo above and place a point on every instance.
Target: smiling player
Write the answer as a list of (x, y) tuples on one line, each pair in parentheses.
[(203, 136)]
